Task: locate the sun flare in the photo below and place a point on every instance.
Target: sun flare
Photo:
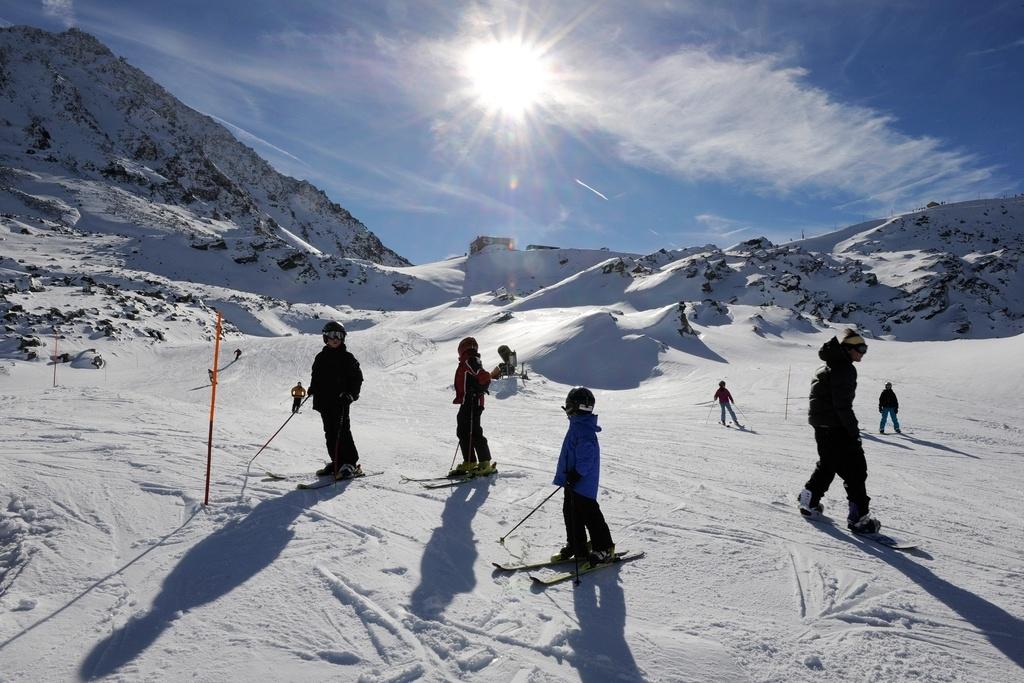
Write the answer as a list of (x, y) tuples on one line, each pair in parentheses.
[(507, 76)]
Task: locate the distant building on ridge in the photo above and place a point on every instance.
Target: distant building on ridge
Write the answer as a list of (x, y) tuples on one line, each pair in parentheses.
[(484, 241)]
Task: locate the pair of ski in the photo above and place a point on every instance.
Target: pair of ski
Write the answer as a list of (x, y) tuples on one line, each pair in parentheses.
[(543, 581), (447, 481), (323, 481)]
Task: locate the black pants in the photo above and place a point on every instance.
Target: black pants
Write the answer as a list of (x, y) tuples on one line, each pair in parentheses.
[(341, 449), (469, 431), (839, 453), (296, 403), (584, 515)]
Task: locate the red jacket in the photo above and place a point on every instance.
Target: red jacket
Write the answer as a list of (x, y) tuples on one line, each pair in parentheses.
[(470, 378), (722, 396)]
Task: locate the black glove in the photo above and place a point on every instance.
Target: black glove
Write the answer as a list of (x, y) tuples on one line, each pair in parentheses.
[(350, 398), (572, 477), (474, 363), (895, 411)]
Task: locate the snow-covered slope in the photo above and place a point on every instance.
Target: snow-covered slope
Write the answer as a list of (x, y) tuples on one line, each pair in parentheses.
[(110, 569)]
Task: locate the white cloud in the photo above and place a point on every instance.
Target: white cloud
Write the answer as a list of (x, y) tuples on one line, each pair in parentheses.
[(247, 136), (702, 117), (591, 189), (753, 121), (719, 225), (64, 10)]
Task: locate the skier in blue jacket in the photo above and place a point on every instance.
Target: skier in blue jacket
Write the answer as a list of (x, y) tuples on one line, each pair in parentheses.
[(579, 472)]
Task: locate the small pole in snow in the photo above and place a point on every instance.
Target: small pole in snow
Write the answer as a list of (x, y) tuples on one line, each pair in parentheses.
[(213, 401), (788, 372), (56, 358)]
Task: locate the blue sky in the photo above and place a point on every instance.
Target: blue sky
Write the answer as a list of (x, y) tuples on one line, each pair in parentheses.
[(633, 125)]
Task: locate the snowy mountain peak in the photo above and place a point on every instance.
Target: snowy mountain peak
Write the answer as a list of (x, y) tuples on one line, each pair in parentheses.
[(88, 126)]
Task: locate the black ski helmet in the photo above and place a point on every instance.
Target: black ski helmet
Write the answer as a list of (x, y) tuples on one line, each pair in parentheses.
[(334, 329), (579, 400), (722, 383), (888, 385)]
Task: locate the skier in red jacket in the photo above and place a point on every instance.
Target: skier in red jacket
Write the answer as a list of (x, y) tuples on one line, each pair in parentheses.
[(471, 381)]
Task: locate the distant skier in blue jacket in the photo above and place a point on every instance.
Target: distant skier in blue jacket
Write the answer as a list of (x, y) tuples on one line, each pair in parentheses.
[(579, 472), (888, 406)]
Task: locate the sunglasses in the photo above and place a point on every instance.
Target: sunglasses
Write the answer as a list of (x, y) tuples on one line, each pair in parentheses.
[(860, 348), (334, 335)]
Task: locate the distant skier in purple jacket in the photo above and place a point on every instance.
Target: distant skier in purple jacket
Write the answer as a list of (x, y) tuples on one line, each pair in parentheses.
[(724, 399)]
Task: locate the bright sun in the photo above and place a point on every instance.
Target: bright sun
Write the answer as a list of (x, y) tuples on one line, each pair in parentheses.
[(507, 77)]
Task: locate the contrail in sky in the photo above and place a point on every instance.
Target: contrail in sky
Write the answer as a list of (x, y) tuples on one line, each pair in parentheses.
[(590, 188)]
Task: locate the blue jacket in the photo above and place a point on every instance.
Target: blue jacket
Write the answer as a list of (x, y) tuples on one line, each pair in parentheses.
[(581, 452)]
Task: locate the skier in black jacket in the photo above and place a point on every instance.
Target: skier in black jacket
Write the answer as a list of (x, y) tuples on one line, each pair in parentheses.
[(334, 386), (888, 405), (837, 433)]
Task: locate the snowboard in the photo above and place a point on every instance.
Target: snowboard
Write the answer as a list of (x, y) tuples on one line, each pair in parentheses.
[(885, 539)]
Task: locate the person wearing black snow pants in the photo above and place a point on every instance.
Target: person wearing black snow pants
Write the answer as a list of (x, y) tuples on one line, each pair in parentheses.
[(338, 435), (335, 385), (840, 454), (837, 433), (469, 431), (471, 382), (579, 472)]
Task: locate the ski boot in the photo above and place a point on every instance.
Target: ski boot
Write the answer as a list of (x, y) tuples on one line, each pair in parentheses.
[(463, 469), (485, 467), (347, 471), (806, 509), (605, 556), (325, 470), (566, 553)]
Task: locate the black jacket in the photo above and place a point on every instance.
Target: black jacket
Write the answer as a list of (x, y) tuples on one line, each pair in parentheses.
[(335, 373), (833, 389), (888, 399)]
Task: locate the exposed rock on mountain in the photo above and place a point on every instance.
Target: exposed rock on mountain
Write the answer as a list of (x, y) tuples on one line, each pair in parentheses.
[(82, 124)]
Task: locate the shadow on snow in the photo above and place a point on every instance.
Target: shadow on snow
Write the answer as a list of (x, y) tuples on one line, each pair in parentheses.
[(210, 569), (447, 567), (600, 647), (1003, 630)]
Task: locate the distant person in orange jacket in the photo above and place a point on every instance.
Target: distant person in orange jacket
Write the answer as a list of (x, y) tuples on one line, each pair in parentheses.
[(298, 393)]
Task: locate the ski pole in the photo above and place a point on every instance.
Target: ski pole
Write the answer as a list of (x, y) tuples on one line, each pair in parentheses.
[(741, 412), (337, 441), (452, 466), (709, 412), (502, 539), (274, 434), (573, 535)]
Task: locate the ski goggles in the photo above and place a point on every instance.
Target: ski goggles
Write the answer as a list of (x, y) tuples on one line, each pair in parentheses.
[(860, 348), (333, 334)]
